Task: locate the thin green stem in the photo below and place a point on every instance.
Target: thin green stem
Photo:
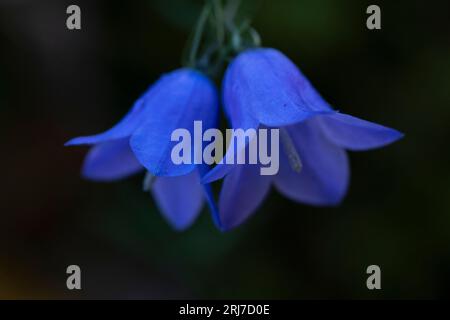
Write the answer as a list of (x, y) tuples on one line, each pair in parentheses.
[(218, 36), (220, 21), (230, 14), (198, 34), (256, 38)]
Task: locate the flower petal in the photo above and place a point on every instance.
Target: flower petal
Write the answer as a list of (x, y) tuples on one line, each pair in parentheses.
[(324, 177), (209, 196), (180, 199), (265, 84), (356, 134), (110, 161), (243, 190), (121, 130), (178, 99)]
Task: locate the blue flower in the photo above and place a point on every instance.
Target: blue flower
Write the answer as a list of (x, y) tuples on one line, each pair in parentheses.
[(142, 140), (262, 87)]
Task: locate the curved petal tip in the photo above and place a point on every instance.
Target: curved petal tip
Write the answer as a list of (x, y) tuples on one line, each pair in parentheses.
[(356, 134)]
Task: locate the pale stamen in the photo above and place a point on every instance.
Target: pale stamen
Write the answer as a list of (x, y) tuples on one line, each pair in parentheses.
[(289, 147)]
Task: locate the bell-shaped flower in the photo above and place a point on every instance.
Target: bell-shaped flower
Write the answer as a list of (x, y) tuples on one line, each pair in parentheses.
[(142, 140), (263, 88)]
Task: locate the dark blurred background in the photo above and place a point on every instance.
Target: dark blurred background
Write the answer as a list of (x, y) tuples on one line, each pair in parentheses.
[(56, 84)]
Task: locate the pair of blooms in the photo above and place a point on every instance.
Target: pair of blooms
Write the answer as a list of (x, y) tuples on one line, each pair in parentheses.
[(261, 87)]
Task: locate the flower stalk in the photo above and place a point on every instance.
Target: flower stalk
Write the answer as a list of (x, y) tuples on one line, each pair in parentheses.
[(210, 48)]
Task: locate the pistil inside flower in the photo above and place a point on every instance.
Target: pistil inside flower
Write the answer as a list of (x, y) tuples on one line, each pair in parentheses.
[(289, 147)]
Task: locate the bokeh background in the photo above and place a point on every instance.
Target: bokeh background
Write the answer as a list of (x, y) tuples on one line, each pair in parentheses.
[(56, 84)]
